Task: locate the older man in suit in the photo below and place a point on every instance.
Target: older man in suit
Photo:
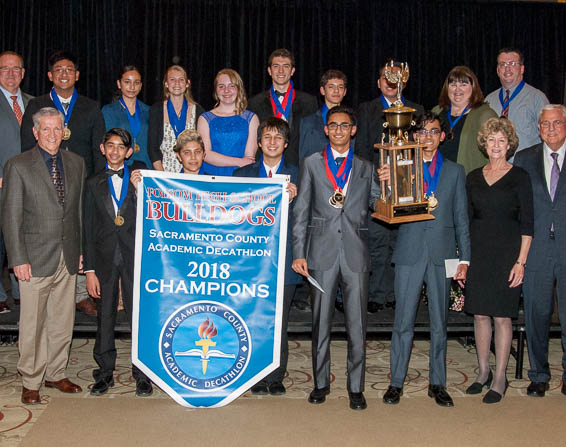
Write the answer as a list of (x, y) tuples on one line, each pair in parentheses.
[(330, 245), (41, 218), (13, 102), (546, 264), (420, 254)]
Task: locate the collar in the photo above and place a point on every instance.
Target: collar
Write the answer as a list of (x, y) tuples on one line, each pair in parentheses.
[(46, 155), (337, 154), (273, 169), (8, 95), (560, 151)]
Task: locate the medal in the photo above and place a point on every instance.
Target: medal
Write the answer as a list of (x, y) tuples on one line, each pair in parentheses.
[(430, 179), (66, 113), (432, 202), (66, 133), (336, 200), (136, 147), (119, 220), (338, 176)]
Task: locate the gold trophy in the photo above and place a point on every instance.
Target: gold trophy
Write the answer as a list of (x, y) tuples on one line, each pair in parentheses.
[(402, 197)]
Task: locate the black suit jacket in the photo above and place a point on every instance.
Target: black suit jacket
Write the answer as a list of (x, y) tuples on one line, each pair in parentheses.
[(87, 130), (370, 127), (101, 235), (303, 105)]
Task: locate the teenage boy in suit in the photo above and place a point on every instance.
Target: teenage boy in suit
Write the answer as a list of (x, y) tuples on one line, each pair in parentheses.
[(109, 243)]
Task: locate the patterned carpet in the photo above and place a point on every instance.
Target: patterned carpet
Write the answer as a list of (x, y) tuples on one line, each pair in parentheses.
[(16, 419)]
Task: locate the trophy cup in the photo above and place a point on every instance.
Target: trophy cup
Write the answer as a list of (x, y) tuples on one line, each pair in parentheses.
[(402, 197)]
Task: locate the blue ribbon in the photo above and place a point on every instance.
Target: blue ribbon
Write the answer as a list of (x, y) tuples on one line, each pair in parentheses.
[(59, 106), (340, 181), (124, 190), (452, 122), (324, 112), (287, 112), (432, 180), (515, 93), (263, 172), (178, 123), (134, 120), (384, 102)]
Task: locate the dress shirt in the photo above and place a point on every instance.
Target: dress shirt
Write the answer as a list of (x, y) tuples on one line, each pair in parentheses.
[(549, 161), (273, 170), (117, 183), (8, 96), (47, 159)]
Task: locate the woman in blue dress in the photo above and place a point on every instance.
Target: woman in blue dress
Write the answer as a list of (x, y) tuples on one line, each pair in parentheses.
[(229, 131), (128, 112)]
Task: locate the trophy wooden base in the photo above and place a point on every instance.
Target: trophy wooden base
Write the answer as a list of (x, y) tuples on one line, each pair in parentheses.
[(402, 213)]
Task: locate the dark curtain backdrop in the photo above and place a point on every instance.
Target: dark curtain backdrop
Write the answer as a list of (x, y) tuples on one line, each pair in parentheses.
[(352, 35)]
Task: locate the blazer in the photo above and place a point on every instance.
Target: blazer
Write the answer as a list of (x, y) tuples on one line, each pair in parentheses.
[(36, 228), (101, 236), (303, 105), (253, 171), (319, 230), (546, 211), (449, 229), (87, 130), (370, 127), (10, 145)]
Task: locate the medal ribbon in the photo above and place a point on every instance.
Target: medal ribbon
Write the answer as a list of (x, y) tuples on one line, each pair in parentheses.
[(384, 102), (452, 122), (124, 190), (432, 174), (324, 112), (134, 120), (59, 106), (178, 123), (504, 103), (263, 173), (338, 177), (283, 109)]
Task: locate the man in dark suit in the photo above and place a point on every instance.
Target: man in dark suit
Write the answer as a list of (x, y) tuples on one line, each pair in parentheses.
[(12, 105), (41, 207), (273, 138), (283, 101), (330, 245), (381, 235), (109, 243), (422, 247), (547, 256), (84, 128)]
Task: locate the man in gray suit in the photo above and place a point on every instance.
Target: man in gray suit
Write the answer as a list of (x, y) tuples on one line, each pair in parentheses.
[(41, 209), (330, 240), (547, 257), (12, 105), (422, 247)]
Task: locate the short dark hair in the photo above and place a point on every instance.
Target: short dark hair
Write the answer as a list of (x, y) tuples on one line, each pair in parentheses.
[(123, 134), (333, 74), (59, 56), (342, 109), (461, 73), (124, 69), (281, 52), (274, 123), (428, 117), (512, 50)]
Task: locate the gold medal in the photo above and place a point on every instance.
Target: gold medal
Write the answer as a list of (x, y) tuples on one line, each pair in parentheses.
[(336, 200), (136, 147), (432, 202), (66, 133), (119, 220)]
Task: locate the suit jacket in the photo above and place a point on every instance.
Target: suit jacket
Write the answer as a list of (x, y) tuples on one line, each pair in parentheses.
[(319, 230), (10, 130), (87, 130), (36, 228), (449, 229), (546, 211), (303, 105), (370, 127), (101, 236), (253, 171)]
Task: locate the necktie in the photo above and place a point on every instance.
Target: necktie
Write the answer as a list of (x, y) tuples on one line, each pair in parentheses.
[(111, 172), (17, 110), (554, 175), (339, 161), (270, 175), (505, 111), (57, 180)]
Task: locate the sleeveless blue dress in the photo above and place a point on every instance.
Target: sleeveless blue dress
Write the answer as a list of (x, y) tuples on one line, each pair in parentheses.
[(228, 136)]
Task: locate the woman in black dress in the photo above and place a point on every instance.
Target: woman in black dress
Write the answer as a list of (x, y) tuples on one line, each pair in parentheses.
[(501, 228)]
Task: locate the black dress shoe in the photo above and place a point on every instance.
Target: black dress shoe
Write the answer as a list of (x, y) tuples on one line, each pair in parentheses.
[(301, 305), (277, 389), (390, 305), (563, 389), (440, 395), (477, 387), (392, 395), (339, 306), (144, 387), (357, 401), (492, 397), (318, 395), (260, 389), (102, 386), (374, 307), (537, 389)]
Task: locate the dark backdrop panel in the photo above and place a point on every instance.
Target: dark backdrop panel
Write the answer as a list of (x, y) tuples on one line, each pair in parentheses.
[(352, 35)]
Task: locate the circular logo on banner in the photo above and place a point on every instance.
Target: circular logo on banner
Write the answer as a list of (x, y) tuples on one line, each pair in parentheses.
[(205, 346)]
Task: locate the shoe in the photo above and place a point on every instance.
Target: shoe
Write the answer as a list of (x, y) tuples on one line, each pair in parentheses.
[(318, 395), (440, 395), (16, 302), (4, 307), (392, 395), (64, 385), (102, 386), (339, 306), (563, 389), (492, 397), (373, 307), (357, 401), (87, 307), (30, 397), (144, 387), (476, 387), (390, 305), (277, 389), (537, 389), (260, 389), (301, 305)]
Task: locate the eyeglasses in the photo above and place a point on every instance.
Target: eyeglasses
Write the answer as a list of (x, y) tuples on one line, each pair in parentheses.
[(509, 64), (344, 126), (425, 132), (549, 124), (14, 69), (66, 70)]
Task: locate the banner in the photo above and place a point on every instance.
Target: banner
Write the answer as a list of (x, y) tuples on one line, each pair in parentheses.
[(208, 283)]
